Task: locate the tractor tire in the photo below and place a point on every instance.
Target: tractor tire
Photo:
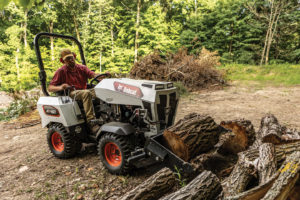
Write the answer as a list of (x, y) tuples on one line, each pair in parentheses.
[(61, 143), (114, 150)]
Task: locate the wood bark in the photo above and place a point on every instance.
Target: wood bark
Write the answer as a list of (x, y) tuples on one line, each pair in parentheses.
[(76, 27), (192, 135), (255, 193), (204, 186), (242, 135), (154, 187), (240, 176), (215, 162), (270, 130), (266, 163), (289, 174), (136, 44), (25, 27)]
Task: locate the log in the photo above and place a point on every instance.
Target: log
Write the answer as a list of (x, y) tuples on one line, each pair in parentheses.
[(154, 187), (270, 130), (215, 162), (192, 135), (255, 193), (281, 151), (266, 162), (204, 186), (240, 176), (242, 136), (289, 174), (295, 193)]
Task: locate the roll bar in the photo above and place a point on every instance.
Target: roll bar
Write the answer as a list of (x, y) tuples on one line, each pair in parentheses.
[(42, 73)]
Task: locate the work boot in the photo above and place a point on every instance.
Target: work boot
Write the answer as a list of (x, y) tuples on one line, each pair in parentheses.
[(94, 127)]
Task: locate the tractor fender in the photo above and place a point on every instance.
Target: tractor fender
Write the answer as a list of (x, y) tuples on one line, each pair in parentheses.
[(118, 128)]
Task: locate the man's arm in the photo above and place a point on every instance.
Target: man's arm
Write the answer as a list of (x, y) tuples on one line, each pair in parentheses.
[(53, 88)]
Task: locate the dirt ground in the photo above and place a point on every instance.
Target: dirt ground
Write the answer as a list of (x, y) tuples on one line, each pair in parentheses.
[(29, 171)]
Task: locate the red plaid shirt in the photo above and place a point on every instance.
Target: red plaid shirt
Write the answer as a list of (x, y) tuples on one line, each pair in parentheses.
[(74, 77)]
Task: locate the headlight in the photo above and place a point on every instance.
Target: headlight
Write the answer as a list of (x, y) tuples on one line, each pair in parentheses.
[(169, 85), (50, 110), (159, 87)]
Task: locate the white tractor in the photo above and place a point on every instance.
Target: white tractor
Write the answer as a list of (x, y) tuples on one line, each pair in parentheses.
[(132, 115)]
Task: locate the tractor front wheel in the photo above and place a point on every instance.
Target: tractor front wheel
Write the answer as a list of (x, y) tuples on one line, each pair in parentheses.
[(114, 150), (61, 143)]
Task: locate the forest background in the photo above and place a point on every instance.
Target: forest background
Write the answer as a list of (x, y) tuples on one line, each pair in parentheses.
[(117, 33)]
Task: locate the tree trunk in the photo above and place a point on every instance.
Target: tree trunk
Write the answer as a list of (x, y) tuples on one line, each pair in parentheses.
[(25, 27), (204, 186), (17, 64), (192, 135), (112, 40), (276, 14), (154, 187), (267, 162), (51, 43), (76, 27), (241, 137), (289, 174), (137, 31)]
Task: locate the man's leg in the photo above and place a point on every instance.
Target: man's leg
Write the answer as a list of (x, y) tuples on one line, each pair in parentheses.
[(86, 97)]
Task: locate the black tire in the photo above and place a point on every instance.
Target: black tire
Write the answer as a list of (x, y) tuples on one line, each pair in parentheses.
[(61, 143), (123, 147)]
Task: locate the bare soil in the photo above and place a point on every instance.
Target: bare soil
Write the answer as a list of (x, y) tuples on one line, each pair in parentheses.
[(29, 170)]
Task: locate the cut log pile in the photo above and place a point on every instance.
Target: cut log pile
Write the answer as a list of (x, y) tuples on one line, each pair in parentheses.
[(231, 161), (194, 71)]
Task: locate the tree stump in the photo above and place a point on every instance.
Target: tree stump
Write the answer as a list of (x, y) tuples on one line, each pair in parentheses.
[(154, 187), (192, 135), (204, 186)]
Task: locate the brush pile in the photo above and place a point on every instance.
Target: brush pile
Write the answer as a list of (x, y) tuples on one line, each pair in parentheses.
[(194, 71)]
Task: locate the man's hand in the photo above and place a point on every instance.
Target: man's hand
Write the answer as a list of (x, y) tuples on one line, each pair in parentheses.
[(64, 86), (53, 88)]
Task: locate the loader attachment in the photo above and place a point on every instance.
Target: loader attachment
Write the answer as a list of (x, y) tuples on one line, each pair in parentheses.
[(156, 148)]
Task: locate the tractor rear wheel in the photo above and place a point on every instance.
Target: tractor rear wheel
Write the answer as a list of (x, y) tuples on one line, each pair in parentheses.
[(61, 143), (114, 150)]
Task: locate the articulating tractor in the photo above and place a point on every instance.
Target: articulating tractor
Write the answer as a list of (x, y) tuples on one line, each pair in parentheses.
[(132, 114)]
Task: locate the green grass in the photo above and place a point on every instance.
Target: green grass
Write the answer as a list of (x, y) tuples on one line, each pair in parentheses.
[(281, 74)]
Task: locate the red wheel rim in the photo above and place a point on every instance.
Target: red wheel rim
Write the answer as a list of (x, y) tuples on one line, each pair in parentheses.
[(112, 154), (57, 142)]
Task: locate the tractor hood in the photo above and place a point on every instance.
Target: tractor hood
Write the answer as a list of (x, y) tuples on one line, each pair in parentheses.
[(131, 92)]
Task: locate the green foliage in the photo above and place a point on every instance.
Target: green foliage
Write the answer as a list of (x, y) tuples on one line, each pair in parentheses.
[(18, 107), (282, 74), (181, 89), (107, 30), (180, 179)]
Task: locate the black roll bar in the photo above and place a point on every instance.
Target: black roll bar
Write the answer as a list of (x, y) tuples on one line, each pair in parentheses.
[(42, 73)]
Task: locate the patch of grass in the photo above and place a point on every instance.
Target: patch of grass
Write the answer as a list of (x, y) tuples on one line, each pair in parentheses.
[(281, 74), (181, 89)]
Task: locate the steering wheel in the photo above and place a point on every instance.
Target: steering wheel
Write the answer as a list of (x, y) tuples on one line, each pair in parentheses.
[(103, 75)]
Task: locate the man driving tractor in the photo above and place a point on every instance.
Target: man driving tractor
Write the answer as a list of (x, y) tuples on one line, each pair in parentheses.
[(75, 75)]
